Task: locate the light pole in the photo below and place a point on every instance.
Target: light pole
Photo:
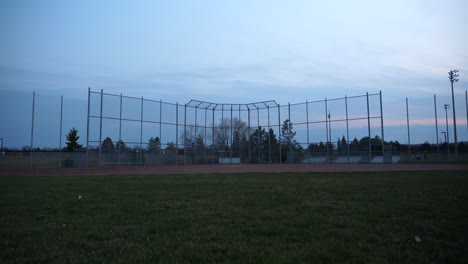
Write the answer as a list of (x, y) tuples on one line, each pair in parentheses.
[(453, 78), (445, 136), (446, 107)]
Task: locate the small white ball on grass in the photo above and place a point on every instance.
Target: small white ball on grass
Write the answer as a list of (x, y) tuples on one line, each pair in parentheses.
[(79, 197)]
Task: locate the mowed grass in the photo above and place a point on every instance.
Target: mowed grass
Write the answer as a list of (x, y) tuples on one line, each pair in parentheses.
[(237, 218)]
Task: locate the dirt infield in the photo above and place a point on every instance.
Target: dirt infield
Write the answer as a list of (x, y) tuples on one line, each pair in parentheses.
[(238, 168)]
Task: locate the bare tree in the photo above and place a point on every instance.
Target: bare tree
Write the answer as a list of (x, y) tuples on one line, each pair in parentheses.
[(190, 135), (227, 130)]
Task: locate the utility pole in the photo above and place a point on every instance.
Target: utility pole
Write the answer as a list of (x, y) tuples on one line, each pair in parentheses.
[(453, 78), (446, 107), (445, 137)]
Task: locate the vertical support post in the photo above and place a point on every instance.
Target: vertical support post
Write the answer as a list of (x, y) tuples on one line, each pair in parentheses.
[(269, 137), (446, 106), (258, 136), (141, 132), (185, 134), (382, 126), (326, 130), (454, 123), (407, 125), (347, 126), (329, 131), (307, 121), (239, 135), (87, 127), (250, 132), (466, 105), (194, 143), (368, 127), (160, 128), (177, 135), (120, 130), (60, 132), (279, 133), (213, 138), (436, 126), (289, 134), (204, 141), (222, 129), (32, 128), (232, 138), (100, 129)]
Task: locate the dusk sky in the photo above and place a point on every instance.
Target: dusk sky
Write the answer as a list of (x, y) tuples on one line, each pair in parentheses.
[(234, 52)]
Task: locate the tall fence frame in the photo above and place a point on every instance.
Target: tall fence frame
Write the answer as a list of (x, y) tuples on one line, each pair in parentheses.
[(212, 133)]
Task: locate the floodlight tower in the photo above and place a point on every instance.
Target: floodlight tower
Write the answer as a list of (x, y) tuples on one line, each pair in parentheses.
[(446, 107), (453, 78)]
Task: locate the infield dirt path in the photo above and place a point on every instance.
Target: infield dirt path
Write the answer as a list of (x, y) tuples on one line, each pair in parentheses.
[(237, 168)]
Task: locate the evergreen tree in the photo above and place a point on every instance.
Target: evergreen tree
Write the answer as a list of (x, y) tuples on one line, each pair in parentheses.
[(342, 146), (120, 145), (170, 147), (289, 143), (287, 133), (72, 140), (108, 146), (154, 145)]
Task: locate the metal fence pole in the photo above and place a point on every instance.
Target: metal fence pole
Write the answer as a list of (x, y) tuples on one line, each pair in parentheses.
[(120, 130), (213, 137), (466, 105), (407, 125), (239, 135), (307, 121), (222, 130), (204, 141), (382, 126), (279, 133), (436, 126), (177, 134), (100, 129), (347, 126), (250, 132), (60, 132), (269, 137), (194, 143), (32, 128), (368, 127), (159, 153), (141, 132), (289, 134), (231, 136), (258, 135), (185, 134), (326, 130), (87, 127)]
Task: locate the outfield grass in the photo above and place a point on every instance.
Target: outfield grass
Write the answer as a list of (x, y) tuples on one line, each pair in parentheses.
[(254, 218)]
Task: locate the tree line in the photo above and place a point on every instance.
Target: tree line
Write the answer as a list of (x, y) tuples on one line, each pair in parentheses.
[(233, 138)]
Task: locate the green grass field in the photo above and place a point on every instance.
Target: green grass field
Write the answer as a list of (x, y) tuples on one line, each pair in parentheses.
[(238, 218)]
